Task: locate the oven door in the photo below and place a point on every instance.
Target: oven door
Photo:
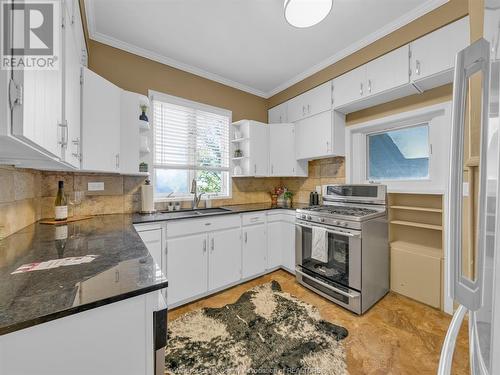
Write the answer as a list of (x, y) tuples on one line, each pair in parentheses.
[(344, 255)]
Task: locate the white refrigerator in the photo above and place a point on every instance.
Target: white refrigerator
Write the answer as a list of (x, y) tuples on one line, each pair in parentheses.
[(475, 287)]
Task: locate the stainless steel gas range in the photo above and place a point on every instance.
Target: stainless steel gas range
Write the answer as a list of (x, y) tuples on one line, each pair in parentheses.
[(342, 250)]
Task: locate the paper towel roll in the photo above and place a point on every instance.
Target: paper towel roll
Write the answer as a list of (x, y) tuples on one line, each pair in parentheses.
[(148, 204)]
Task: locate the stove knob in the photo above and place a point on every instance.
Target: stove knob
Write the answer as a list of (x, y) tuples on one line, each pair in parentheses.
[(322, 219), (309, 217), (336, 222), (344, 224), (302, 216)]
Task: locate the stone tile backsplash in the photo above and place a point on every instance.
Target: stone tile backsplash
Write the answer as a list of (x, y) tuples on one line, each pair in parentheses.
[(28, 195)]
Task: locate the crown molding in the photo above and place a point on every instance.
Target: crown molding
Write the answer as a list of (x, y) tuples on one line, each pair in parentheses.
[(418, 12)]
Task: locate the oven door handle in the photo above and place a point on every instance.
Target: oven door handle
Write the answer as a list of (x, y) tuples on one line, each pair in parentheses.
[(328, 286), (348, 234)]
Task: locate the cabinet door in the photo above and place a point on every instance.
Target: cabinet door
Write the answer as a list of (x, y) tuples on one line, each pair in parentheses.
[(349, 86), (259, 152), (153, 241), (101, 124), (277, 115), (288, 245), (319, 99), (254, 250), (388, 71), (225, 258), (313, 136), (275, 234), (435, 52), (72, 86), (187, 267), (282, 160), (296, 108), (37, 121)]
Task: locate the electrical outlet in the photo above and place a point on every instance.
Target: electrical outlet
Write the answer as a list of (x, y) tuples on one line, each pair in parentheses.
[(95, 186)]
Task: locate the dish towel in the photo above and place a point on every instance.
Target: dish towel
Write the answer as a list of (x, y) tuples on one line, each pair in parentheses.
[(319, 244)]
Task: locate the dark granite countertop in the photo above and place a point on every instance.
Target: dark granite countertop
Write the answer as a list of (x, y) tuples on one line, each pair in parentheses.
[(123, 268), (233, 209)]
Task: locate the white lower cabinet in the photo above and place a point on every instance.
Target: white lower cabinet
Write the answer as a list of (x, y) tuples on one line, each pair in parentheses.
[(152, 238), (224, 263), (187, 267), (254, 250), (281, 240)]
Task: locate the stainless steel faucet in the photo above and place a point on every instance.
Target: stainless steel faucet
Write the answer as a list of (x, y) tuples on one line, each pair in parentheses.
[(196, 197)]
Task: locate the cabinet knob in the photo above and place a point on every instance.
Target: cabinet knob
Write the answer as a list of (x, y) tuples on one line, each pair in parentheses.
[(417, 67), (369, 85), (361, 89)]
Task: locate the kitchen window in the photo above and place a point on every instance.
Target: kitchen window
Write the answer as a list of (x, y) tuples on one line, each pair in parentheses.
[(399, 154), (408, 151), (191, 141)]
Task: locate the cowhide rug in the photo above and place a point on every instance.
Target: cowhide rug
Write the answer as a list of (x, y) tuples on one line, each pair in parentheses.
[(266, 331)]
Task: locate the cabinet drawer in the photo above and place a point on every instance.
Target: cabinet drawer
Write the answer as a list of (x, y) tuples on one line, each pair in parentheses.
[(416, 276), (253, 218), (191, 226), (280, 216)]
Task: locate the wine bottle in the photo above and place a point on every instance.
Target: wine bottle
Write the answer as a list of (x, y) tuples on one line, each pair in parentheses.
[(61, 206)]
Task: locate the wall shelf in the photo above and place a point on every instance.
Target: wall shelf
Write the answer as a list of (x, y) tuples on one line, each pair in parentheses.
[(414, 208), (417, 225), (239, 140), (419, 249)]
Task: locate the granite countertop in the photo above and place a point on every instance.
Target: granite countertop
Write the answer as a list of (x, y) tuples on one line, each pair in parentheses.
[(233, 209), (122, 268)]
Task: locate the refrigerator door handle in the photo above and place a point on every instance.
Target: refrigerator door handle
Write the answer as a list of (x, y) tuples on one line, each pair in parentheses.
[(473, 59)]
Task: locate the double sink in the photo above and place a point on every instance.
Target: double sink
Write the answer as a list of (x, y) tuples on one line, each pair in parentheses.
[(194, 213)]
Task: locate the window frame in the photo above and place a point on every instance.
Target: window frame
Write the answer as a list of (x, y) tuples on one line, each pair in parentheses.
[(438, 118), (395, 128), (159, 96)]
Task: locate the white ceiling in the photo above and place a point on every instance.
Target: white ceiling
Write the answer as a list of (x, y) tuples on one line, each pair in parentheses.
[(245, 44)]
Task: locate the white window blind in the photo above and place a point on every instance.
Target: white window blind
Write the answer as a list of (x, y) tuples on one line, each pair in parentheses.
[(186, 137)]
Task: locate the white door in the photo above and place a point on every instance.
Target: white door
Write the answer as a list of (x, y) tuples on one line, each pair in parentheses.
[(313, 136), (225, 258), (282, 160), (349, 87), (254, 250), (72, 87), (288, 244), (187, 266), (277, 115), (153, 241), (275, 233), (388, 71), (101, 124), (259, 154), (435, 52)]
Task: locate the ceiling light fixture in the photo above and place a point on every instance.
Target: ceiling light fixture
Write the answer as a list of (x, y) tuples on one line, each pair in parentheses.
[(306, 13)]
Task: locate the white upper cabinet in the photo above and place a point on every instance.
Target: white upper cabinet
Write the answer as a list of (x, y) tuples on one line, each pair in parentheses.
[(319, 136), (282, 160), (388, 71), (349, 87), (433, 56), (310, 103), (277, 114), (134, 133), (383, 79), (250, 138), (101, 124)]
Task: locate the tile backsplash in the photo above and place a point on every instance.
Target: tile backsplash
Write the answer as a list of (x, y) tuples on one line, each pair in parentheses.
[(28, 195)]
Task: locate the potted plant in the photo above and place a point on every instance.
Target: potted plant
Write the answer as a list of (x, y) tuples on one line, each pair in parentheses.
[(288, 195), (238, 153), (143, 116), (143, 167)]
